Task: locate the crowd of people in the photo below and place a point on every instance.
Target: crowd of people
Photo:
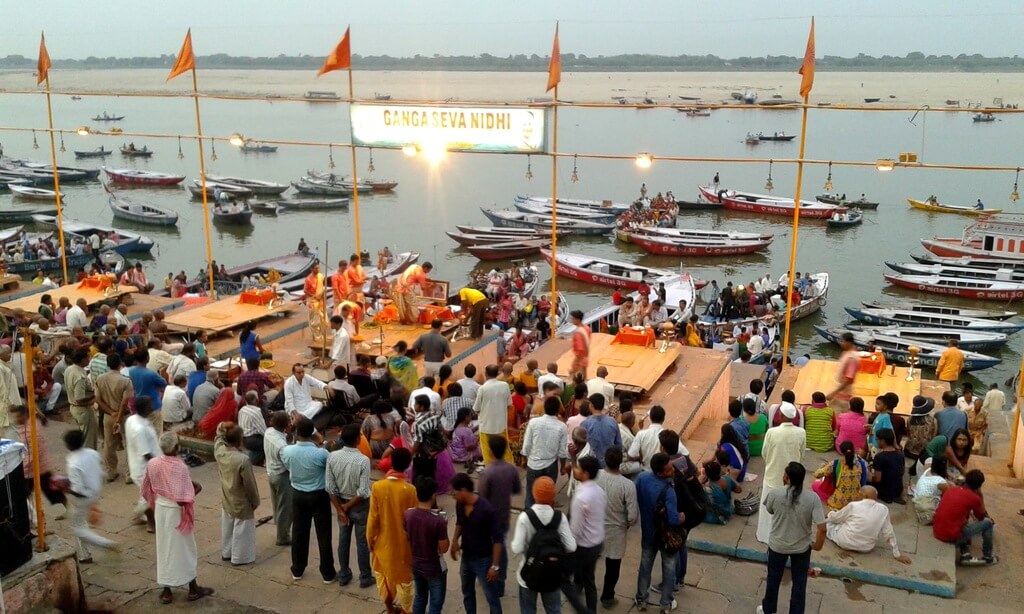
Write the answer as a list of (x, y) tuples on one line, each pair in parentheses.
[(660, 211)]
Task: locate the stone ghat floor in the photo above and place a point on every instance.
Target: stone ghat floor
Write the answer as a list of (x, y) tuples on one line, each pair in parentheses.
[(125, 582)]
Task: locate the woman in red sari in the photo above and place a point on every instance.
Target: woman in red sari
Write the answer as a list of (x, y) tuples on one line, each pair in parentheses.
[(224, 410)]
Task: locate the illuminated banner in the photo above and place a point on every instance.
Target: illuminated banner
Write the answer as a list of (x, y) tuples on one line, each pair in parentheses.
[(453, 128)]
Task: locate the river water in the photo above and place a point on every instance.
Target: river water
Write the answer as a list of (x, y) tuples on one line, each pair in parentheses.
[(429, 201)]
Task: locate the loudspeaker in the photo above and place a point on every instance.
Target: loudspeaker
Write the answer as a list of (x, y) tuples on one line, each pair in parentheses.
[(15, 536)]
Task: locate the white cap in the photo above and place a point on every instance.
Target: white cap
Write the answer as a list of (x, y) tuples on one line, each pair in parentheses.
[(788, 410)]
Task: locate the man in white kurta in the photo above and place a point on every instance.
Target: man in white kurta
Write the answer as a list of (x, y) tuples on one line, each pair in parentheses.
[(783, 444), (298, 393), (141, 445), (341, 347), (860, 525)]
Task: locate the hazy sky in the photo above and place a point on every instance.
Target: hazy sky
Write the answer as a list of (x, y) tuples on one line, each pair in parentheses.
[(77, 29)]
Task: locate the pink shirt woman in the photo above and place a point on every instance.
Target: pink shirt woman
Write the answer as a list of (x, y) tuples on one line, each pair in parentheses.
[(851, 426)]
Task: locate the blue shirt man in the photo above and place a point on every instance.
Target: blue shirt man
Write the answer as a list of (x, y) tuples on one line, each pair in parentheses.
[(602, 431), (307, 465), (148, 383), (649, 487)]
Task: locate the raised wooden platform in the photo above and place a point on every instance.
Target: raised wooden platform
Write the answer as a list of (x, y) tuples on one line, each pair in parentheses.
[(72, 292), (222, 316), (9, 282), (631, 368), (739, 384), (380, 340), (820, 375)]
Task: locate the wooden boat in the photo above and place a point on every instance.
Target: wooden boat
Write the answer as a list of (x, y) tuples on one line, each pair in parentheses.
[(606, 272), (237, 214), (67, 174), (936, 207), (130, 176), (871, 100), (141, 213), (468, 240), (508, 250), (677, 288), (254, 147), (15, 215), (40, 177), (990, 264), (11, 234), (983, 117), (314, 203), (566, 212), (836, 199), (263, 207), (980, 289), (518, 219), (896, 349), (852, 217), (942, 270), (595, 206), (99, 152), (692, 233), (944, 309), (760, 203), (29, 193), (906, 317), (668, 246), (258, 187), (752, 139), (776, 137), (526, 233), (290, 267), (690, 112), (972, 341), (319, 188), (991, 237), (127, 241), (697, 205), (54, 265), (811, 302), (212, 187), (364, 186), (131, 152), (108, 118)]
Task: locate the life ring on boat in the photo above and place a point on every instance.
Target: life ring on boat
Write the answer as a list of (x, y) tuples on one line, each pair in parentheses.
[(822, 301)]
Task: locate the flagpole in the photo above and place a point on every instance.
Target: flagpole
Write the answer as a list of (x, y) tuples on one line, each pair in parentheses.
[(796, 232), (202, 179), (355, 177), (554, 214), (56, 185)]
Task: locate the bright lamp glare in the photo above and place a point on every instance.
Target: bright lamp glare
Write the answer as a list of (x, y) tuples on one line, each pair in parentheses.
[(237, 140), (409, 150), (644, 160)]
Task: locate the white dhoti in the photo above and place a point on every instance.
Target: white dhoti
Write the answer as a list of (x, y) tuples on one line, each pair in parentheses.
[(764, 519), (237, 539), (80, 528), (311, 409), (177, 557)]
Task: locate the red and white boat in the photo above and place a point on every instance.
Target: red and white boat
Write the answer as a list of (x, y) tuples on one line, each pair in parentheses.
[(770, 205), (690, 233), (667, 246), (131, 176), (981, 289), (998, 236), (508, 250), (605, 272)]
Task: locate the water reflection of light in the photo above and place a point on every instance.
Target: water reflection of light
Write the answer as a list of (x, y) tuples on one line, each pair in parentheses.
[(434, 151)]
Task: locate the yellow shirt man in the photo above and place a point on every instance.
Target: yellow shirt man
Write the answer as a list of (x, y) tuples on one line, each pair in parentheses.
[(471, 296), (951, 363)]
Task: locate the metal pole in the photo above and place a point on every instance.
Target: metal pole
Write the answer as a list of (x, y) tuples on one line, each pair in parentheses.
[(33, 435), (56, 185), (554, 215), (202, 179), (796, 232), (355, 176)]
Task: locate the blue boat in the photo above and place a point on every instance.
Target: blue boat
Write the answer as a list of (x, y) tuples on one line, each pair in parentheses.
[(896, 351), (902, 317)]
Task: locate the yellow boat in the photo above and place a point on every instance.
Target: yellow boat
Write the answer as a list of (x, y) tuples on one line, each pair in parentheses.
[(941, 208)]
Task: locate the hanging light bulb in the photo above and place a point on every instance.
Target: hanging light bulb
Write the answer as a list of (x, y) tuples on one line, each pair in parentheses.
[(213, 149), (35, 143), (370, 168), (828, 180), (181, 156), (62, 148), (768, 185), (643, 160), (575, 177), (529, 169), (1014, 196), (330, 156)]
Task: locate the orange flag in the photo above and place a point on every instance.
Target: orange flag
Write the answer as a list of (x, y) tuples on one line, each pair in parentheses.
[(341, 56), (43, 66), (186, 59), (807, 68), (554, 64)]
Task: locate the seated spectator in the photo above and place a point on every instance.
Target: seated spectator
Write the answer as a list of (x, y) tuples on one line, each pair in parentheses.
[(777, 414), (929, 488), (820, 424), (887, 468), (730, 444), (860, 524), (465, 445), (847, 474), (176, 407), (720, 488), (757, 426), (962, 445), (952, 523)]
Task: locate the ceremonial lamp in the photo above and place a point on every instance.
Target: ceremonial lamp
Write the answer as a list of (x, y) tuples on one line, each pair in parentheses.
[(668, 330), (913, 350)]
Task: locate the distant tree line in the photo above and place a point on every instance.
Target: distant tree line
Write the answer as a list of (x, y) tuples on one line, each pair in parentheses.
[(915, 61)]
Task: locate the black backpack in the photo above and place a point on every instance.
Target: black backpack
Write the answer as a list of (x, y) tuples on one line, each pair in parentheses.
[(545, 555), (691, 499)]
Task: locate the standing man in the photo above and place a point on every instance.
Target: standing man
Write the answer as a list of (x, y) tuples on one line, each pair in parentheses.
[(85, 482), (239, 496), (475, 303), (783, 445), (797, 527), (313, 289), (653, 491), (468, 383), (620, 513), (307, 466), (274, 441), (356, 278), (341, 346), (645, 445), (586, 518), (386, 535), (141, 446), (541, 516), (340, 286), (492, 406), (147, 382), (435, 348), (580, 344), (113, 391), (348, 484), (498, 482), (478, 538), (600, 385), (951, 363), (82, 396), (839, 397), (403, 292), (545, 446), (602, 430), (428, 533), (298, 393)]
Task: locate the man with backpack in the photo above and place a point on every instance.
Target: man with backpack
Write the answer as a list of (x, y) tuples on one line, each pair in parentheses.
[(428, 438), (544, 536), (587, 523), (691, 499), (659, 519)]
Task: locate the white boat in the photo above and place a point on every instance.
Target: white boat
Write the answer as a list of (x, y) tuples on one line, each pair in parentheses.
[(30, 193), (980, 289), (957, 271), (944, 309), (567, 211), (10, 234), (677, 288), (141, 213), (262, 188), (518, 219), (811, 301), (896, 349), (991, 237), (695, 233), (969, 340), (140, 242), (606, 272), (596, 205), (905, 317)]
